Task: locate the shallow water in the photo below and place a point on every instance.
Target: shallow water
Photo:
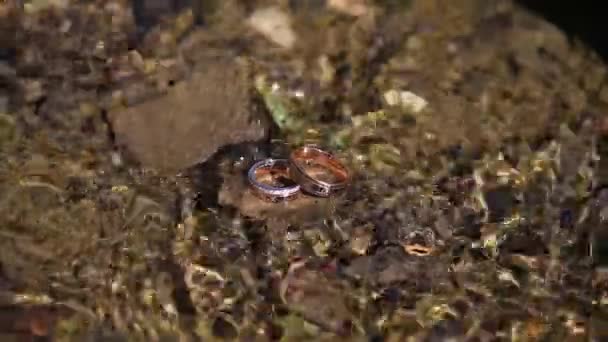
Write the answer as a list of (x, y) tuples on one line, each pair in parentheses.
[(470, 218)]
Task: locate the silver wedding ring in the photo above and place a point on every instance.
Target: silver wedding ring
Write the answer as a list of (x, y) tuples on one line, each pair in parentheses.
[(265, 174)]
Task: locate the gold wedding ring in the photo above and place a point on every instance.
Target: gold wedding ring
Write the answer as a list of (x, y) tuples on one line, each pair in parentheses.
[(318, 172)]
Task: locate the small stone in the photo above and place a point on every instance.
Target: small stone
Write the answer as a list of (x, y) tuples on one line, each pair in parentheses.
[(406, 100), (7, 128), (413, 101), (33, 90), (275, 25), (392, 97), (328, 309), (361, 240), (37, 165), (38, 5), (137, 61), (355, 8), (414, 43)]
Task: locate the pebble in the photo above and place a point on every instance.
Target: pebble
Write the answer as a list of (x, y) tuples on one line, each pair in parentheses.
[(355, 8), (275, 25), (406, 100), (32, 90)]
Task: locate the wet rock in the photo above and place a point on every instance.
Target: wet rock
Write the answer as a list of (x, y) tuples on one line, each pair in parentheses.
[(224, 329), (446, 330), (304, 210), (390, 265), (524, 241), (420, 242), (7, 129), (360, 239), (35, 322), (213, 108), (318, 296), (500, 201)]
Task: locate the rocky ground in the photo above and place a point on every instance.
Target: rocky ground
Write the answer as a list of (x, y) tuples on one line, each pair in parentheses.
[(472, 128)]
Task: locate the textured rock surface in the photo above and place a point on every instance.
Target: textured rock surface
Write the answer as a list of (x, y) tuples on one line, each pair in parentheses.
[(469, 220), (212, 108)]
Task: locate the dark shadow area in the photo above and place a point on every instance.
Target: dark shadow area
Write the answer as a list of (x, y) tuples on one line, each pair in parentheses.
[(207, 178), (578, 19), (149, 13), (8, 34)]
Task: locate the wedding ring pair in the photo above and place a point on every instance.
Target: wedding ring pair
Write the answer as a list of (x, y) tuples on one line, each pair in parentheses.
[(309, 169)]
